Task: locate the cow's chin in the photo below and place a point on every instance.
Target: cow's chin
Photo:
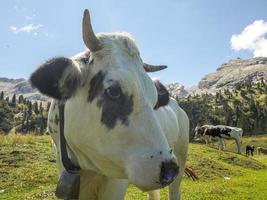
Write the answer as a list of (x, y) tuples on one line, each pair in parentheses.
[(110, 170), (144, 173), (146, 187), (145, 181)]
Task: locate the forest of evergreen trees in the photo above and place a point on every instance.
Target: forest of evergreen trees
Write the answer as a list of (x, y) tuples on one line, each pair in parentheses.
[(245, 107), (22, 115)]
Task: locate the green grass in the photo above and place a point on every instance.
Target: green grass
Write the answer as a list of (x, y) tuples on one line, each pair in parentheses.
[(27, 167), (28, 171)]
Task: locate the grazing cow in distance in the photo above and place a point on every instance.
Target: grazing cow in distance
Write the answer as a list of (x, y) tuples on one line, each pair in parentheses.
[(221, 132), (261, 150), (249, 149), (120, 127)]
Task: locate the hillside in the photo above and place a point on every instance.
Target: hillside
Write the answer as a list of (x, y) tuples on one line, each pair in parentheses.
[(22, 115), (28, 171), (245, 107), (20, 87)]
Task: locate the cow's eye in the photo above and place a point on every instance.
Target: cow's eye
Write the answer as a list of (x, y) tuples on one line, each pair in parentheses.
[(113, 92), (87, 60)]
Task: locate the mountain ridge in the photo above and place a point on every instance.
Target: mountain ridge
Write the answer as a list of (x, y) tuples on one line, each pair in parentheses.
[(227, 76), (20, 86)]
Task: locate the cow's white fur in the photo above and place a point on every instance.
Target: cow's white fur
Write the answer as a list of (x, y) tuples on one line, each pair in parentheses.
[(110, 159)]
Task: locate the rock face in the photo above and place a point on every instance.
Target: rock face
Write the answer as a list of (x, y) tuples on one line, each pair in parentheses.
[(236, 71), (177, 90), (18, 87)]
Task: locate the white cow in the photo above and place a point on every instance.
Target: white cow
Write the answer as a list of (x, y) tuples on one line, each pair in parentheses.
[(114, 128), (221, 132)]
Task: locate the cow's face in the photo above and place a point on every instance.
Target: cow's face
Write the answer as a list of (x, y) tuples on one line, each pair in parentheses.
[(110, 121), (199, 132)]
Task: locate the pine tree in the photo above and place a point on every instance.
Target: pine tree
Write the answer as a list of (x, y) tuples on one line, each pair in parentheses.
[(41, 107), (35, 108), (7, 99), (29, 104), (2, 95), (21, 98), (13, 100)]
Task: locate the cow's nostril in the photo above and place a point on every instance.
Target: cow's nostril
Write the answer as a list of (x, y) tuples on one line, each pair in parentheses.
[(168, 172)]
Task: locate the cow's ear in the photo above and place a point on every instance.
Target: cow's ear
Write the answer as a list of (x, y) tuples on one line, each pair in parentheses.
[(57, 78), (163, 94)]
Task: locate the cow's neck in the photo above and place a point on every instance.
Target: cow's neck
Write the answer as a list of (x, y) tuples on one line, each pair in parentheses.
[(66, 161)]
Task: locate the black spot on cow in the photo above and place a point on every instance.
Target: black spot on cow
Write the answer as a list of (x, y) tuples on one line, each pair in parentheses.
[(114, 109), (116, 106), (213, 131), (96, 86), (46, 78), (56, 119), (225, 131), (163, 95)]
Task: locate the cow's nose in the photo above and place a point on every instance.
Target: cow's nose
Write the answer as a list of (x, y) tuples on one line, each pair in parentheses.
[(168, 172)]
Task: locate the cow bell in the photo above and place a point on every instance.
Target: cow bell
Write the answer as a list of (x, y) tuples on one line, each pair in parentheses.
[(68, 186)]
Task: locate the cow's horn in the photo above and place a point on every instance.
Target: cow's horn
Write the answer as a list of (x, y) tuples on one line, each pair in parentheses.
[(153, 68), (89, 38)]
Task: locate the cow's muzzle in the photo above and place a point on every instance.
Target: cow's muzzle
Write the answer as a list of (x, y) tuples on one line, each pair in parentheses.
[(168, 172)]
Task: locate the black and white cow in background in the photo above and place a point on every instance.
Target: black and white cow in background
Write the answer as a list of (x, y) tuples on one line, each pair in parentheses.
[(221, 132), (261, 151), (250, 150), (119, 129)]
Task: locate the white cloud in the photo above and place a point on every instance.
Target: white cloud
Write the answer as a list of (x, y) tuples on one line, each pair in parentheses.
[(27, 29), (13, 28), (252, 38)]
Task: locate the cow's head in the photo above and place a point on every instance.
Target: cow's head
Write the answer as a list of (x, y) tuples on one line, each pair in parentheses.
[(110, 114), (199, 131)]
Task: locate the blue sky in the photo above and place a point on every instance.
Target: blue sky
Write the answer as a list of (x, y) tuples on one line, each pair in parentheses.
[(192, 37)]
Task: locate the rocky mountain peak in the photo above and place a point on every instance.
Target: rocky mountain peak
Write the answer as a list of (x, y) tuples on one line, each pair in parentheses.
[(236, 71), (177, 90)]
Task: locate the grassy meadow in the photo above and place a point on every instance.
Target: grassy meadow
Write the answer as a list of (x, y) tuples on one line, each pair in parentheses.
[(28, 171)]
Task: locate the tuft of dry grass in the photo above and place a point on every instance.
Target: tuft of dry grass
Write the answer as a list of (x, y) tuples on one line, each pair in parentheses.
[(16, 139)]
